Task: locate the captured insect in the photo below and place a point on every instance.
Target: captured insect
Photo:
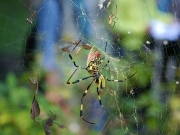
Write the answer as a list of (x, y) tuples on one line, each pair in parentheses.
[(93, 68)]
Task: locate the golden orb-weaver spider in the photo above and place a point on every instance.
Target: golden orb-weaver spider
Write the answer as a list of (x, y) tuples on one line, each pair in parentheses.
[(93, 68)]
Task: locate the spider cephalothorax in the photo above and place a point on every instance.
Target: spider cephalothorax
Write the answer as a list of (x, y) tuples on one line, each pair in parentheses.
[(94, 62), (93, 68)]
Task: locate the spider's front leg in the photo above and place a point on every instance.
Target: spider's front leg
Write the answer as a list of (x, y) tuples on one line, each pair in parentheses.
[(99, 98), (75, 62), (105, 65), (70, 56)]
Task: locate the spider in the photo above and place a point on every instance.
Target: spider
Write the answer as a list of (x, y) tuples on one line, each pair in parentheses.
[(112, 17), (93, 68)]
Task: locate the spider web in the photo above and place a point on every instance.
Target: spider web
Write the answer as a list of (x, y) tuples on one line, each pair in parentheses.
[(146, 103)]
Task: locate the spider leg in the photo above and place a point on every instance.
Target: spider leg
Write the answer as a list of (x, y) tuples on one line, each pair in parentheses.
[(121, 80), (113, 24), (70, 56), (81, 109), (105, 52), (72, 74), (99, 98), (114, 80), (104, 58), (76, 45), (131, 75), (75, 62), (105, 65), (78, 80)]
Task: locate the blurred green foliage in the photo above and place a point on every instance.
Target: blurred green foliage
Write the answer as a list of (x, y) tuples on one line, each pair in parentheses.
[(15, 109), (13, 27)]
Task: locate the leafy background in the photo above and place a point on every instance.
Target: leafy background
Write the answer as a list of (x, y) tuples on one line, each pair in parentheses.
[(143, 112)]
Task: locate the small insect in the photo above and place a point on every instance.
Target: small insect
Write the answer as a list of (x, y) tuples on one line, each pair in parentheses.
[(93, 68), (30, 20), (50, 122), (112, 17)]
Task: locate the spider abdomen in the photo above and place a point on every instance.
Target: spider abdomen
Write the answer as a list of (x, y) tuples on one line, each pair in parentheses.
[(99, 80)]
